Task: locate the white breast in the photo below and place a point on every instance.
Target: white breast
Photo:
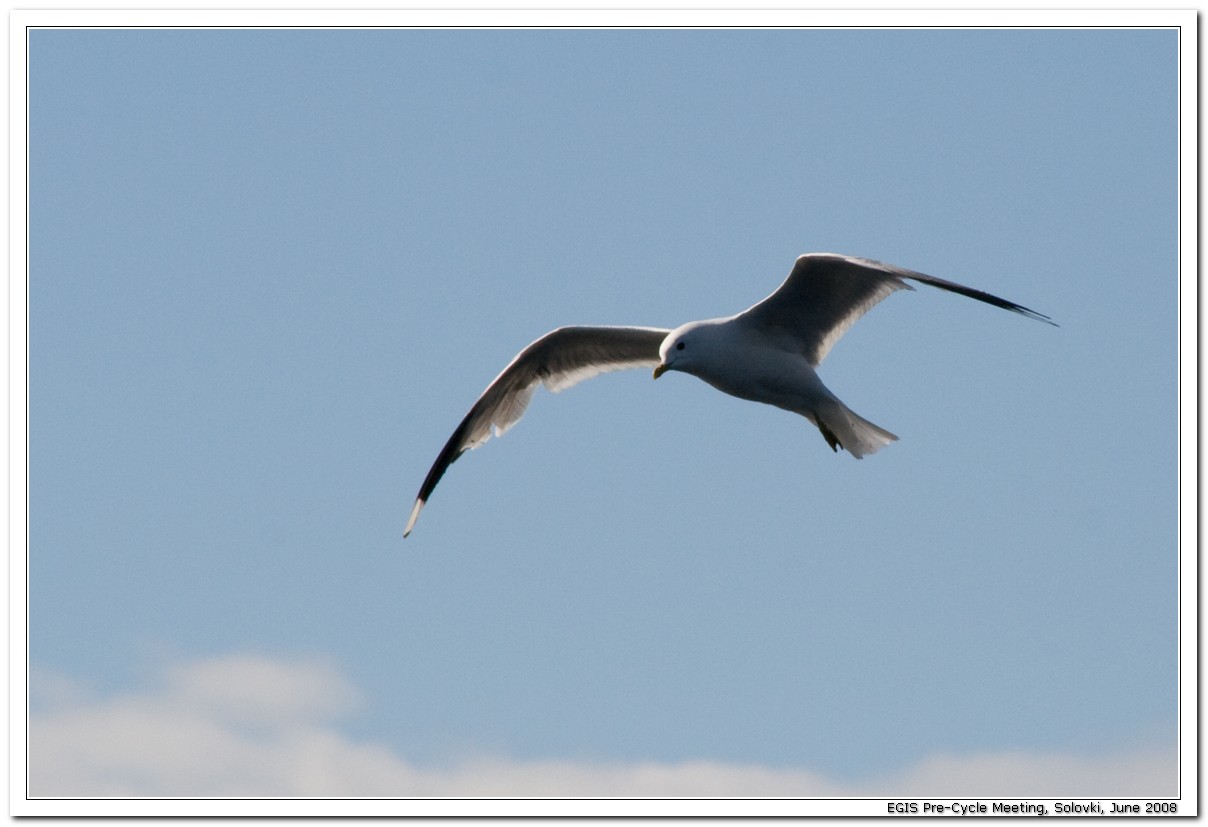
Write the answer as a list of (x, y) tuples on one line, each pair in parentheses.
[(748, 365)]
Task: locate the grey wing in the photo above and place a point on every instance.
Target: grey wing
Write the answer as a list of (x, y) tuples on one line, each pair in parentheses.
[(557, 360), (826, 294)]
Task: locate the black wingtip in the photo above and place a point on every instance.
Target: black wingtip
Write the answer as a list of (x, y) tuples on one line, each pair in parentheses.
[(1032, 314), (982, 296)]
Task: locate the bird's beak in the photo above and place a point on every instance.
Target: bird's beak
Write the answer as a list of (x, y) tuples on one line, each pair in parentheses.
[(660, 370)]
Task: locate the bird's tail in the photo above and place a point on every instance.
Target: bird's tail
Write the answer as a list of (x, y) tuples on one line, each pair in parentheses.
[(844, 428)]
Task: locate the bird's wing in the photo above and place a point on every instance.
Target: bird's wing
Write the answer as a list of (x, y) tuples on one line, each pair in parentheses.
[(558, 359), (825, 294)]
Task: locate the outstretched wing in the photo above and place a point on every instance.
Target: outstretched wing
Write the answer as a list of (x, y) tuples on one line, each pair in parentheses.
[(557, 360), (827, 293)]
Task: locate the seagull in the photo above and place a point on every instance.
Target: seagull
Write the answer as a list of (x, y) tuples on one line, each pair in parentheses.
[(768, 353)]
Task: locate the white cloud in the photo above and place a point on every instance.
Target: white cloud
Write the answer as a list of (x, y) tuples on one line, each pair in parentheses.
[(255, 726)]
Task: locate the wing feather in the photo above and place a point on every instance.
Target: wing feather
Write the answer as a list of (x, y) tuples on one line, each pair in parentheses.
[(557, 360), (826, 294)]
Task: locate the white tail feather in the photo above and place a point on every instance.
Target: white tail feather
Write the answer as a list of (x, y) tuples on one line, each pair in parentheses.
[(852, 432)]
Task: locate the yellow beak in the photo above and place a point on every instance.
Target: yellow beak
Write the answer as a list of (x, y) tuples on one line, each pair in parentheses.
[(659, 371)]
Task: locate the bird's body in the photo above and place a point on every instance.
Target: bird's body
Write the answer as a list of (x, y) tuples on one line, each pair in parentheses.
[(769, 353), (738, 358)]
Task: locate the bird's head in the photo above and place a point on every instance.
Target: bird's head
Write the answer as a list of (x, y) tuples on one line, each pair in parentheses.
[(679, 351)]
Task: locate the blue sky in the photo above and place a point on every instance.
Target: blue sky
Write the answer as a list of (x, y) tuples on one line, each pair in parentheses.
[(270, 270)]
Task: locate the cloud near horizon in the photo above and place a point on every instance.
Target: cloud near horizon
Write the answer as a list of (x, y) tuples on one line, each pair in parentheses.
[(248, 725)]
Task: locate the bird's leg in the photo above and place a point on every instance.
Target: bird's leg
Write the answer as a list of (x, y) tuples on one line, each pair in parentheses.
[(828, 435)]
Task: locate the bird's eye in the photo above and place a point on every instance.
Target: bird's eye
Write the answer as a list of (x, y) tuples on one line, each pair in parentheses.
[(679, 345)]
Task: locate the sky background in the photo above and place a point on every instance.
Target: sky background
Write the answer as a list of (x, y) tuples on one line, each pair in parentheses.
[(269, 271)]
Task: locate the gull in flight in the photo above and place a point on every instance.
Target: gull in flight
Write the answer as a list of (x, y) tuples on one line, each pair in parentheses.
[(767, 353)]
